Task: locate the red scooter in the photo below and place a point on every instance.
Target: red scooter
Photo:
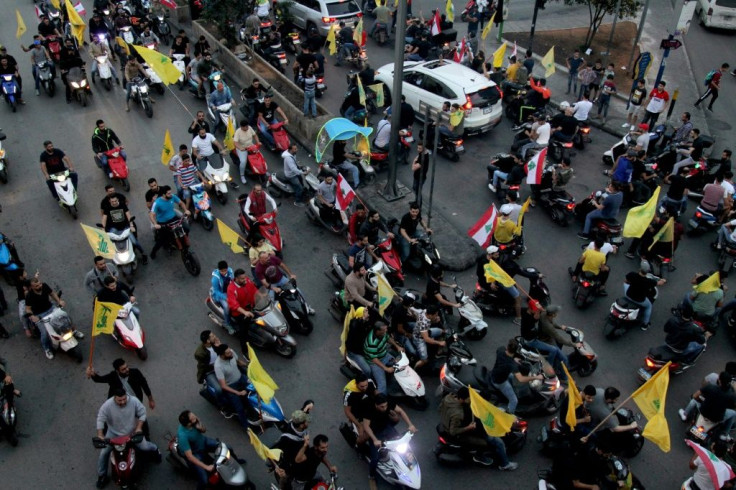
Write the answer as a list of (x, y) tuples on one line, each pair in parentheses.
[(53, 44), (280, 136), (118, 167), (389, 254), (266, 225), (257, 165), (124, 459)]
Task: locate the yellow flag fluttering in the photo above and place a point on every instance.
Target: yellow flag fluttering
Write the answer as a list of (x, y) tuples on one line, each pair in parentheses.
[(574, 400), (167, 151), (77, 23), (229, 135), (650, 398), (56, 4), (711, 284), (496, 422), (450, 11), (331, 40), (487, 28), (160, 63), (548, 62), (494, 272), (639, 217), (385, 294), (99, 241), (520, 219), (103, 319), (498, 55), (229, 237), (262, 381), (666, 234), (262, 450), (378, 90), (358, 33), (123, 45), (346, 328), (21, 25), (361, 92)]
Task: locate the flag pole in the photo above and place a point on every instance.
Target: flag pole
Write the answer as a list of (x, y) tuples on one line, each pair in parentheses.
[(92, 342)]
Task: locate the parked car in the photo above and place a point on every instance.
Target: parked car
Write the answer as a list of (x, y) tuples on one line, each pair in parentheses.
[(321, 14), (437, 81), (719, 14)]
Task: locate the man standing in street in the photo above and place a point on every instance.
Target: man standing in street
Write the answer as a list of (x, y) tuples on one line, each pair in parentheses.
[(129, 379), (419, 166), (294, 174), (658, 100), (573, 63), (713, 84)]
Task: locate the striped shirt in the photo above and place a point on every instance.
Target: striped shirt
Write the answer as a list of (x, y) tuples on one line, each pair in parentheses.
[(310, 83), (375, 347), (188, 175)]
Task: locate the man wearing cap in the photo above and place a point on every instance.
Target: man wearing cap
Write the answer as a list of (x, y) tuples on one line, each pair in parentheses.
[(642, 136), (637, 287), (530, 333), (39, 54)]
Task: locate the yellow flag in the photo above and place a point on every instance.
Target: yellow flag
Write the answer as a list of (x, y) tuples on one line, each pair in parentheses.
[(639, 217), (361, 92), (167, 150), (495, 273), (574, 400), (358, 33), (99, 241), (520, 220), (21, 24), (56, 4), (548, 62), (123, 45), (713, 283), (331, 40), (666, 234), (346, 328), (103, 320), (450, 11), (264, 384), (385, 294), (498, 55), (378, 90), (78, 25), (229, 135), (487, 28), (262, 450), (456, 117), (229, 237), (159, 63), (496, 422), (650, 398)]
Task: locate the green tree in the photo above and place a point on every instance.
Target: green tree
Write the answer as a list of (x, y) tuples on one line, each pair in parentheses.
[(226, 15), (599, 9)]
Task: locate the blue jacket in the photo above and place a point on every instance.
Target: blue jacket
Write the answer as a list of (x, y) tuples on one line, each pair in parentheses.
[(218, 288)]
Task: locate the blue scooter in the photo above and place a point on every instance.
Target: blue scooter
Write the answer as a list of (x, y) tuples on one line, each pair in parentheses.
[(10, 91), (268, 413), (202, 207)]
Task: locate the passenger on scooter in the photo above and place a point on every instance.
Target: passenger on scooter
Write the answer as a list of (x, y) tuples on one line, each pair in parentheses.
[(549, 329), (205, 356), (356, 286), (608, 209), (326, 202), (104, 139), (601, 407), (46, 28), (505, 232), (505, 369), (427, 329), (251, 94), (234, 383), (341, 160), (581, 108), (241, 297), (55, 161), (530, 333), (163, 213), (383, 134), (220, 96), (511, 268), (537, 136), (690, 154), (375, 351), (458, 421), (719, 402), (221, 278), (290, 442), (684, 337), (123, 415), (205, 68), (540, 94), (116, 218), (244, 138), (358, 328), (118, 293), (593, 261), (433, 292), (199, 122), (564, 125), (347, 46), (403, 321), (188, 175), (704, 305), (408, 229), (93, 281), (294, 173), (357, 398), (641, 134), (356, 222), (362, 252), (383, 18), (637, 288), (267, 116), (711, 379), (123, 376), (371, 227), (195, 446)]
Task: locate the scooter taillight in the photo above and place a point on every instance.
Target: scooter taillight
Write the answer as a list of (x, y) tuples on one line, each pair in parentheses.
[(586, 284), (585, 130), (459, 143), (477, 287), (698, 214), (514, 187), (442, 440), (650, 363), (567, 144), (570, 206)]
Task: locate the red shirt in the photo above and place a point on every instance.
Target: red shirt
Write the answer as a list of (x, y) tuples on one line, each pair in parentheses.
[(659, 94), (241, 296)]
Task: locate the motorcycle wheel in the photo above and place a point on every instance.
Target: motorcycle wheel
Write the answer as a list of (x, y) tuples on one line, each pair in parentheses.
[(207, 224), (581, 299), (107, 83), (274, 191), (160, 88), (76, 354), (126, 184), (551, 405), (50, 88), (142, 353), (83, 98), (419, 403), (454, 157), (635, 449), (609, 330), (191, 262), (4, 175), (476, 334), (12, 436), (13, 106), (285, 350), (587, 369), (148, 108), (370, 178), (222, 198), (73, 211), (304, 325)]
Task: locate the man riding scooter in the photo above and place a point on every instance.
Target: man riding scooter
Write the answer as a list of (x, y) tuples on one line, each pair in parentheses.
[(267, 116), (104, 139), (217, 98)]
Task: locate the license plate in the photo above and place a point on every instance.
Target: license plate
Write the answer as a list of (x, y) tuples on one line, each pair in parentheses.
[(460, 148), (487, 110), (282, 61), (693, 223), (644, 374), (696, 433)]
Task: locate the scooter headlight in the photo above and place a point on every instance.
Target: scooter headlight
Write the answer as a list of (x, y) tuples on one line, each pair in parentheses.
[(75, 85), (122, 466), (143, 89), (67, 336), (438, 253), (83, 83), (402, 448), (260, 322), (2, 153)]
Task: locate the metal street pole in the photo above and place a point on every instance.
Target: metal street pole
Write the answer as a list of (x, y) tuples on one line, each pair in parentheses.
[(534, 23), (613, 27), (390, 192), (666, 53), (434, 166), (638, 34)]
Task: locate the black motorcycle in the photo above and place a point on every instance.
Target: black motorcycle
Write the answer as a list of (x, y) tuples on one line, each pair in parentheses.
[(450, 451), (559, 204), (450, 147), (295, 309), (499, 302)]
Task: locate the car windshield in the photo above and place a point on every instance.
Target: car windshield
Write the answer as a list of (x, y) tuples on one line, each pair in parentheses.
[(485, 97), (342, 8), (729, 4)]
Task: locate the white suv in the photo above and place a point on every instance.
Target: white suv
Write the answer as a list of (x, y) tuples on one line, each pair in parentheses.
[(435, 82), (323, 13)]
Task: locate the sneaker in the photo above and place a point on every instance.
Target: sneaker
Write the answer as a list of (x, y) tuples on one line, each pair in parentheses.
[(310, 310), (517, 321), (632, 127), (242, 180), (157, 457), (602, 292), (234, 185), (629, 255), (624, 125), (229, 329), (227, 414), (78, 334), (483, 459), (683, 415), (144, 259), (645, 327), (298, 204), (50, 355), (102, 481), (583, 236), (109, 174), (38, 92), (492, 187), (509, 467)]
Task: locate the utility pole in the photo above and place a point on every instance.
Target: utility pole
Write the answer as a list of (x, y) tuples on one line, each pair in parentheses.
[(616, 14), (638, 35), (537, 4)]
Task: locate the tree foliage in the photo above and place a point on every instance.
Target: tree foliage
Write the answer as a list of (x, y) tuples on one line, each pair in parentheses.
[(599, 9), (227, 16)]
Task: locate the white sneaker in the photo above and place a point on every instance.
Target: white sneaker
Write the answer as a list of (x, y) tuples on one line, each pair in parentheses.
[(310, 310), (110, 175), (683, 415), (491, 187), (78, 334), (632, 127), (509, 467), (242, 179), (624, 125), (49, 354)]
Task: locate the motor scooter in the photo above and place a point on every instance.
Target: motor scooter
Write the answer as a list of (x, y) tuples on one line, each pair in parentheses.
[(450, 147), (126, 32), (124, 459), (659, 356), (388, 253), (218, 175), (124, 258), (8, 420), (278, 185), (701, 429), (221, 116), (471, 323), (3, 160), (104, 69), (66, 191), (583, 358), (367, 166), (295, 309), (128, 331), (624, 314), (452, 452), (62, 333), (559, 204), (161, 27), (46, 77), (629, 140), (202, 207), (267, 226), (227, 471), (153, 80), (77, 80), (499, 302), (10, 91), (702, 222), (178, 239), (118, 167), (337, 226), (609, 228), (178, 61), (280, 136), (256, 166), (140, 95)]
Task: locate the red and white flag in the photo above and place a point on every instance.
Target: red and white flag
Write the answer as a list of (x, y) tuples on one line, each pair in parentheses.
[(434, 28), (38, 11), (535, 167), (80, 8), (345, 193), (169, 3), (482, 231), (460, 51), (719, 471)]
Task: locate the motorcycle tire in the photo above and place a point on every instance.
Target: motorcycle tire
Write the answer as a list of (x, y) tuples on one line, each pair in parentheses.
[(635, 448), (609, 330), (476, 334), (83, 98), (552, 405), (370, 178), (148, 108), (419, 403), (73, 211), (191, 262), (126, 184), (50, 88), (142, 353), (454, 157), (304, 326), (160, 89), (581, 299), (207, 224), (12, 437), (4, 175), (222, 198), (274, 191), (285, 350), (13, 106), (107, 83), (587, 369), (76, 354)]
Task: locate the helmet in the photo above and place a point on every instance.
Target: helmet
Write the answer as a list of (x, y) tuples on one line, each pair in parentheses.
[(506, 209), (492, 249), (564, 105), (436, 271)]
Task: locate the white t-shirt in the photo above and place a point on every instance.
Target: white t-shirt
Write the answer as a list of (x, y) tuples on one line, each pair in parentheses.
[(606, 249), (643, 140), (728, 189), (543, 133), (702, 478), (383, 133), (204, 145), (582, 109)]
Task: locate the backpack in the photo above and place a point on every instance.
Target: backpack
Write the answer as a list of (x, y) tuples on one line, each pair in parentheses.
[(709, 77)]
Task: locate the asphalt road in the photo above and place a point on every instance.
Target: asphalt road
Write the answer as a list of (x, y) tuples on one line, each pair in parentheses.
[(58, 408)]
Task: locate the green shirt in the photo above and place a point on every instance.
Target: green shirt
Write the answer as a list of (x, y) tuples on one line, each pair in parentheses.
[(705, 303), (190, 439), (375, 347)]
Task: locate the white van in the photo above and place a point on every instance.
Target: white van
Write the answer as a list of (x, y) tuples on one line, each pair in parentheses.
[(719, 14)]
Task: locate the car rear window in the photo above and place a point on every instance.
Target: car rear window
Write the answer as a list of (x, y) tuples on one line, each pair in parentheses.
[(485, 97), (342, 8), (729, 4)]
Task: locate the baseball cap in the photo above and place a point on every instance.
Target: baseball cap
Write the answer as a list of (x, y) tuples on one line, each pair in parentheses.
[(645, 267), (492, 249), (554, 309), (300, 417), (564, 105), (644, 126), (506, 209)]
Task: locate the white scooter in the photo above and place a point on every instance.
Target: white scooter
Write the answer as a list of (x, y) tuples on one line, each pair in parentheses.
[(127, 34), (62, 333), (471, 324), (124, 258), (66, 191), (154, 80), (128, 332), (104, 69), (178, 61), (218, 175), (221, 116), (227, 471)]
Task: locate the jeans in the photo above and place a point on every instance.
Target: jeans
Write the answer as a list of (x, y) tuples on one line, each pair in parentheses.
[(593, 215), (603, 104), (406, 246), (214, 385), (650, 117), (50, 183), (646, 305), (45, 339), (379, 375), (682, 163), (421, 346), (104, 458), (681, 205), (406, 342), (345, 49), (692, 349), (497, 446), (266, 133), (202, 476), (225, 309), (389, 433), (360, 361), (498, 176), (296, 184), (417, 189), (530, 146), (104, 159), (238, 404), (446, 131), (37, 79), (128, 88), (508, 391), (133, 238), (572, 81), (354, 172), (554, 355), (309, 103), (375, 27), (724, 236)]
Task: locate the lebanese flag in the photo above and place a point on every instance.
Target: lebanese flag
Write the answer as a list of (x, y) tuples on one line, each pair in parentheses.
[(169, 3), (38, 11), (345, 193), (719, 471), (483, 230), (535, 167), (460, 51), (80, 8), (434, 27)]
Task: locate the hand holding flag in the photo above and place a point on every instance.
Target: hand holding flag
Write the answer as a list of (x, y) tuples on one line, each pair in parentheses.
[(345, 193), (262, 381), (482, 231)]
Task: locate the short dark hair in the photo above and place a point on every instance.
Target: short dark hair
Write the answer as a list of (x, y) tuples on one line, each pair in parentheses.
[(728, 153), (357, 266), (99, 121), (413, 205), (463, 393), (380, 399), (589, 390), (204, 335), (371, 214), (512, 346), (117, 363), (221, 349), (360, 377), (432, 309), (222, 265), (119, 391), (725, 379), (184, 417), (183, 147), (611, 393), (319, 439), (238, 272), (359, 207), (98, 258), (165, 189), (151, 180), (108, 280)]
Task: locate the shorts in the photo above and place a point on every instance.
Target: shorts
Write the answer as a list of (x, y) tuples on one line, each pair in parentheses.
[(421, 347), (594, 86), (634, 110)]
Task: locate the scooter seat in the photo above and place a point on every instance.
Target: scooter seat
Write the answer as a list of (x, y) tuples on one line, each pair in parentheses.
[(342, 261), (482, 376), (625, 303), (663, 353), (280, 176)]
